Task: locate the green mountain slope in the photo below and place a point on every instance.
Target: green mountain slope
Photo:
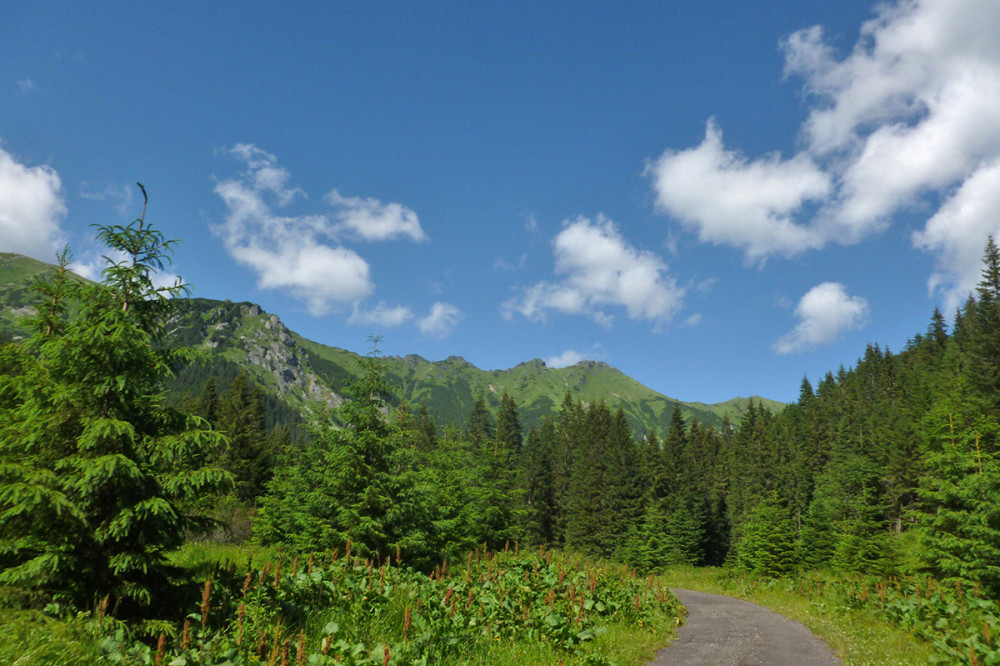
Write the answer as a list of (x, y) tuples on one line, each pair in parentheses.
[(450, 387), (303, 377), (17, 274)]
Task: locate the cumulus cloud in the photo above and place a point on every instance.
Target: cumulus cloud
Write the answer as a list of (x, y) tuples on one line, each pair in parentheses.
[(440, 321), (303, 254), (371, 220), (381, 316), (824, 313), (909, 119), (31, 209), (564, 360), (598, 269), (731, 200), (956, 234)]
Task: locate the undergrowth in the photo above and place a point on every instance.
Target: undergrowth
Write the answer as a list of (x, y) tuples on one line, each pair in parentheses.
[(494, 608)]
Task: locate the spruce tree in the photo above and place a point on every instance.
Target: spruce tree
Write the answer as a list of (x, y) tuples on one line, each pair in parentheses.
[(570, 429), (426, 430), (536, 482), (985, 342), (767, 545), (507, 435), (356, 480), (479, 427), (95, 471), (960, 492), (250, 457)]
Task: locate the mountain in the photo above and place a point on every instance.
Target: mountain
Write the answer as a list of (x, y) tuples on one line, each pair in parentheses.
[(303, 377), (17, 274)]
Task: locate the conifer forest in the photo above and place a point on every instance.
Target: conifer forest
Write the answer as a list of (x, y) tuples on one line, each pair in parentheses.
[(140, 529)]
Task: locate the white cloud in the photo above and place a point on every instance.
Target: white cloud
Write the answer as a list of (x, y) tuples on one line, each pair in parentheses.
[(381, 316), (824, 313), (31, 209), (25, 85), (88, 269), (909, 119), (564, 360), (439, 323), (956, 234), (264, 175), (730, 200), (600, 269), (371, 220), (302, 254)]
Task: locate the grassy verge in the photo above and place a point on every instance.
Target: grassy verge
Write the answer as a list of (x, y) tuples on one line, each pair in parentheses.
[(854, 634)]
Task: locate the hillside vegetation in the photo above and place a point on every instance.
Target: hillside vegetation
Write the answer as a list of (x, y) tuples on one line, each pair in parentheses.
[(301, 377)]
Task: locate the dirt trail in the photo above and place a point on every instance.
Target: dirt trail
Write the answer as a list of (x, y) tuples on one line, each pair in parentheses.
[(723, 631)]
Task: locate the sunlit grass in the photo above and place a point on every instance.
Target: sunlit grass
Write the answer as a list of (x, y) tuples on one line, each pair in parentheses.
[(31, 638)]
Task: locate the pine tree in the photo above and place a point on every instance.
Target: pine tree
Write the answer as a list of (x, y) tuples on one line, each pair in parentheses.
[(94, 469), (621, 498)]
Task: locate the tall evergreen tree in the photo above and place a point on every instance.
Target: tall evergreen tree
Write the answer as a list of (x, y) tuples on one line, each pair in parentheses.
[(426, 430), (767, 545), (536, 482), (507, 435), (95, 471), (355, 480), (479, 427), (586, 518), (961, 492), (622, 485), (251, 453), (985, 347), (570, 429)]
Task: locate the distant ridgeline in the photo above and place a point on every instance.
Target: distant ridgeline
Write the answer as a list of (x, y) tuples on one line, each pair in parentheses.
[(300, 377)]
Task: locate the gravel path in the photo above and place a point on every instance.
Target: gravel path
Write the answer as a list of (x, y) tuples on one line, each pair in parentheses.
[(722, 631)]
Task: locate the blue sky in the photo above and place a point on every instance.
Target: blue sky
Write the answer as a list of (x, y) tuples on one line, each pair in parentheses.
[(716, 198)]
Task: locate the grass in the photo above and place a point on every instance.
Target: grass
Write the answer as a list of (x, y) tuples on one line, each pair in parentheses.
[(856, 636), (32, 638)]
